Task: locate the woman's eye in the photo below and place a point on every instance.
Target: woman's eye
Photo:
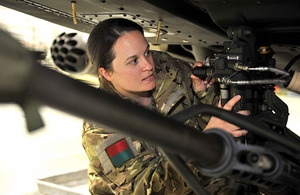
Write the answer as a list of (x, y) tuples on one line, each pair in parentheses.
[(134, 61), (147, 53)]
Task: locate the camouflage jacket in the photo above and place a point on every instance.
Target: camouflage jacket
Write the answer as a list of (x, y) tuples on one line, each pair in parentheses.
[(121, 165)]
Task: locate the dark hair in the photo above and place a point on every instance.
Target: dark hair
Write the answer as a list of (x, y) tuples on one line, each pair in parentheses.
[(101, 41)]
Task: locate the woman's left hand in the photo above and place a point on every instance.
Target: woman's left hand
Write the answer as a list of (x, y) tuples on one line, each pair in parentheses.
[(215, 122), (199, 84)]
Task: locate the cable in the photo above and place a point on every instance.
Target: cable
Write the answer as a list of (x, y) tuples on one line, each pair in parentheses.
[(239, 120), (178, 163), (290, 64)]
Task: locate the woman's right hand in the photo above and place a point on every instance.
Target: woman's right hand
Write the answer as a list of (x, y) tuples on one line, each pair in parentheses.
[(199, 84), (234, 130)]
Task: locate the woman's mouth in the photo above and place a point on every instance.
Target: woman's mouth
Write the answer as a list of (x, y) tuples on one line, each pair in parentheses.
[(150, 77)]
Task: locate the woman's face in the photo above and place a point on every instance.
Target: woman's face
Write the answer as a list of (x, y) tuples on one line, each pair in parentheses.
[(133, 66)]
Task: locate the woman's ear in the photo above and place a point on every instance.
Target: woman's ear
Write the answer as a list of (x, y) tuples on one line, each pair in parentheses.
[(105, 74)]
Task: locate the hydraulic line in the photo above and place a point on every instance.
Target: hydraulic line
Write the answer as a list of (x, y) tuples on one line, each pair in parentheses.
[(239, 120)]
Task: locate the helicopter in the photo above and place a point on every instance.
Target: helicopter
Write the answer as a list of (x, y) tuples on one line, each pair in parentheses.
[(237, 37)]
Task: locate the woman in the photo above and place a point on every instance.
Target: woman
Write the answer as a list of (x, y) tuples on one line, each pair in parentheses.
[(126, 67)]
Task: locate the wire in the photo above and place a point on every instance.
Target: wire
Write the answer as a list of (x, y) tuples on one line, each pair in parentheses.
[(178, 163), (290, 64), (239, 120)]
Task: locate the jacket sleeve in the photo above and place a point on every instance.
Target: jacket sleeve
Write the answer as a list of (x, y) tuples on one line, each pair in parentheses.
[(145, 173), (91, 136), (172, 72), (209, 96), (148, 173)]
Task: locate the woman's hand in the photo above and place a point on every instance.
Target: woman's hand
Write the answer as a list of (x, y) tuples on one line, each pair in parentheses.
[(199, 84), (230, 128)]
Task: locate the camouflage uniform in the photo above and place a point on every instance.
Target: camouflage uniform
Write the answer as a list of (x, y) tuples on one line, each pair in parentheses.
[(141, 169)]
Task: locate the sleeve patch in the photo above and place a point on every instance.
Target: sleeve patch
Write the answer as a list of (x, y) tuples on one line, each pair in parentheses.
[(114, 151), (119, 152)]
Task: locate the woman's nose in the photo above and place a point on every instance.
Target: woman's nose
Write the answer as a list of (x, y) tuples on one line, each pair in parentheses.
[(147, 65)]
